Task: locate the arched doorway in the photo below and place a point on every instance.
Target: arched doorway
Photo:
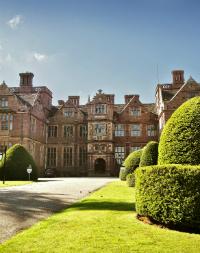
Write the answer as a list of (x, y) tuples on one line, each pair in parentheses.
[(100, 166)]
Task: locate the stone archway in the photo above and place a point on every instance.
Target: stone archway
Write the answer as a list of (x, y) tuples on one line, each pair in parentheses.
[(100, 166)]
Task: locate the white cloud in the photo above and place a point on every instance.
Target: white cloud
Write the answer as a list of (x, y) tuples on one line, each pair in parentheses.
[(39, 57), (15, 21), (1, 48)]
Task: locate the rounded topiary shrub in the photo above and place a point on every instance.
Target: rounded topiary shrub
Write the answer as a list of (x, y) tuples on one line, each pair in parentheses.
[(130, 179), (169, 194), (132, 161), (180, 138), (122, 173), (150, 154), (17, 161)]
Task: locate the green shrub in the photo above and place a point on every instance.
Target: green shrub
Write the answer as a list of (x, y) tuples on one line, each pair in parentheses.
[(122, 174), (17, 161), (132, 161), (180, 138), (150, 154), (130, 179), (170, 194)]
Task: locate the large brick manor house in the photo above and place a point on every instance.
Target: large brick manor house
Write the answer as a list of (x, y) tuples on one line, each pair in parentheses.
[(91, 139)]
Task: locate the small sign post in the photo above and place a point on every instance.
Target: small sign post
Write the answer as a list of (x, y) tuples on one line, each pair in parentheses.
[(29, 170)]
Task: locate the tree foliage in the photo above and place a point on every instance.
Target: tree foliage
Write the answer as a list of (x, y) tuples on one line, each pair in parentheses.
[(17, 161)]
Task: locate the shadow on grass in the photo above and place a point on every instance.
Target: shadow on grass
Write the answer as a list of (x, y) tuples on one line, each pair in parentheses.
[(104, 205), (180, 228)]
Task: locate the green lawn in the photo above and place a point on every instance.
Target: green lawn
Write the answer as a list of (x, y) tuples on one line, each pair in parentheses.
[(103, 222), (14, 183)]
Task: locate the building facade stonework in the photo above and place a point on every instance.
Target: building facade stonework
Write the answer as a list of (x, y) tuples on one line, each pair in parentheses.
[(93, 139)]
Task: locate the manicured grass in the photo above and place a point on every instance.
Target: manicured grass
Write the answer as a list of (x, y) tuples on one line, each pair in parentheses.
[(103, 222), (14, 183)]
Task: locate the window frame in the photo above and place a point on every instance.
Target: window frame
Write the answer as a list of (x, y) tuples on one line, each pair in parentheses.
[(135, 111), (52, 131), (100, 109), (119, 130), (119, 154), (68, 156), (151, 132), (135, 132), (51, 157), (68, 133)]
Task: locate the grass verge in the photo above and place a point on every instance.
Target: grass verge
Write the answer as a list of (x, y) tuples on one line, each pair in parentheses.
[(103, 222), (14, 183)]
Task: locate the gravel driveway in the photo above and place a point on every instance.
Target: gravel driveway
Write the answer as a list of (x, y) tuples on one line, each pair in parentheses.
[(22, 206)]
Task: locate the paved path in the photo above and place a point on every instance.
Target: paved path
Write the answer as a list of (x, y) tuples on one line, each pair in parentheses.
[(22, 206)]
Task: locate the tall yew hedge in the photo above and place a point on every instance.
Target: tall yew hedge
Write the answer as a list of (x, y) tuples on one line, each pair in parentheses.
[(17, 161)]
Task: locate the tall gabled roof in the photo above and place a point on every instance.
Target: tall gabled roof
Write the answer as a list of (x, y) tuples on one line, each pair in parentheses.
[(190, 80)]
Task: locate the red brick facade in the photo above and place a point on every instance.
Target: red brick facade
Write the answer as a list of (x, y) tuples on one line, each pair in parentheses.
[(170, 96), (91, 139)]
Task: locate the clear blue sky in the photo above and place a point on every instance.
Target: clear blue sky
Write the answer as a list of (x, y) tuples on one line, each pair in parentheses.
[(78, 46)]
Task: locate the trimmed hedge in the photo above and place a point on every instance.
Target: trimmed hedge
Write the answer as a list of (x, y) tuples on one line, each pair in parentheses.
[(122, 173), (169, 194), (180, 138), (132, 161), (150, 154), (130, 179), (17, 161)]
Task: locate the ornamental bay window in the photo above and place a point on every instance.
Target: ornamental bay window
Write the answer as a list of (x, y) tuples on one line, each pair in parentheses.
[(3, 102), (100, 109), (135, 130), (119, 130), (6, 121), (119, 154), (68, 156), (100, 129), (135, 111), (52, 131), (151, 130), (68, 131), (51, 157)]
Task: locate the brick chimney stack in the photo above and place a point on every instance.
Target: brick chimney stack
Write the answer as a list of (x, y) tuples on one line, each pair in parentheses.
[(178, 78), (127, 98), (26, 79), (74, 100)]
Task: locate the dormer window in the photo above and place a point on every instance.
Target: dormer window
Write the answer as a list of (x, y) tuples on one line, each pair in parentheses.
[(136, 111), (100, 109), (3, 102), (68, 113)]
